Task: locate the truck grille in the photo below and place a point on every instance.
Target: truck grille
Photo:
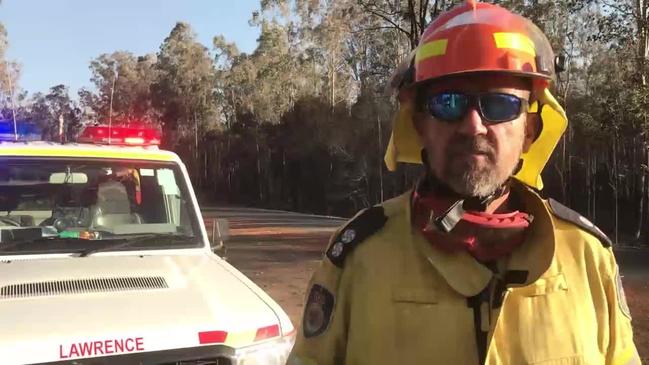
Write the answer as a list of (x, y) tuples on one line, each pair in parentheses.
[(81, 286)]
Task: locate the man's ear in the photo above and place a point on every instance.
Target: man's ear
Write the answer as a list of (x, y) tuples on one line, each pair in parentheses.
[(533, 127)]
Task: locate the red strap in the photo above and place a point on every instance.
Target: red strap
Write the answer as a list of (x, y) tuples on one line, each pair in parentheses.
[(475, 232), (503, 220)]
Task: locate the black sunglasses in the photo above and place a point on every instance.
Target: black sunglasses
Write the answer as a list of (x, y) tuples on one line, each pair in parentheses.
[(452, 106)]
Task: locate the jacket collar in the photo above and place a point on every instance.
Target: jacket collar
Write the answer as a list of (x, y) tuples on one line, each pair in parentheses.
[(537, 253), (469, 277)]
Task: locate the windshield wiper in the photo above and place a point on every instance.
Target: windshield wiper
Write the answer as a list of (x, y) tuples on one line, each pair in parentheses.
[(121, 242), (12, 244)]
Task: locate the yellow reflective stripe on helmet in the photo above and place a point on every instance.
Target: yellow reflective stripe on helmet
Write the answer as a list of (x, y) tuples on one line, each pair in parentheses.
[(91, 153), (515, 41), (431, 49)]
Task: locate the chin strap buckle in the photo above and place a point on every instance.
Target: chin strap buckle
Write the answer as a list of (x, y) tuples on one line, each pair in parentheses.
[(447, 221)]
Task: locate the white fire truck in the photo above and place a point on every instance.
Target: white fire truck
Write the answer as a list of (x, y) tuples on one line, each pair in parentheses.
[(105, 259)]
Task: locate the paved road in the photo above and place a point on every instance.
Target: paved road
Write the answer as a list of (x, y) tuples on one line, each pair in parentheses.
[(267, 227), (254, 217)]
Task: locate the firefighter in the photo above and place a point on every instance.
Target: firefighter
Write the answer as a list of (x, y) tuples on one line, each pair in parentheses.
[(471, 266)]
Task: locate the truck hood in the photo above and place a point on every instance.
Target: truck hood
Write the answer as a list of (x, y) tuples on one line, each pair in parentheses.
[(65, 308)]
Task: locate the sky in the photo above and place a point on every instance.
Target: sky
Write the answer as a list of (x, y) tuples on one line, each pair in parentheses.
[(55, 40)]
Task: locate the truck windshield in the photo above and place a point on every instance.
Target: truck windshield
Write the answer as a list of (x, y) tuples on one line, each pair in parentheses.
[(76, 205)]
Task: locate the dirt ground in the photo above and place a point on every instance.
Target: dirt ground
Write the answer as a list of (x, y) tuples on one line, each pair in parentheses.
[(282, 268)]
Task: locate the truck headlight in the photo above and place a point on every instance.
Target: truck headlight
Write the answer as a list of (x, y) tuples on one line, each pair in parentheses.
[(273, 352)]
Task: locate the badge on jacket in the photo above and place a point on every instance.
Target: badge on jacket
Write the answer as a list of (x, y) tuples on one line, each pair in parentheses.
[(621, 298), (317, 312)]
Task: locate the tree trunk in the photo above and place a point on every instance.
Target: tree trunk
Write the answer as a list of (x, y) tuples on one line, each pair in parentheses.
[(615, 186), (642, 9), (259, 179), (333, 88), (195, 154), (595, 187), (378, 123), (283, 191), (564, 177), (205, 177), (589, 187), (646, 197), (229, 146), (638, 232)]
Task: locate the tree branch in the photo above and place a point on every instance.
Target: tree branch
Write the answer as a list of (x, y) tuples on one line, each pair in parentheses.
[(433, 13), (422, 14), (621, 9), (414, 37), (384, 17), (372, 29)]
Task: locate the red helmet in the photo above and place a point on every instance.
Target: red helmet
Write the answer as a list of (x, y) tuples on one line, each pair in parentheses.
[(480, 37)]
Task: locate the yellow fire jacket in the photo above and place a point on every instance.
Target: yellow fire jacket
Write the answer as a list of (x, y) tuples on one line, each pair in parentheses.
[(385, 295)]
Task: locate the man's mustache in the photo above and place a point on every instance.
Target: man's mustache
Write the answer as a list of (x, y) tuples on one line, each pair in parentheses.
[(473, 145)]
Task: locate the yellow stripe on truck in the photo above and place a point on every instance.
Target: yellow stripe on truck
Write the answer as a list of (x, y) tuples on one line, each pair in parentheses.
[(90, 153)]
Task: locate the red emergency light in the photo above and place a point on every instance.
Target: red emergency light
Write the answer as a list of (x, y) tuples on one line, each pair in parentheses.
[(120, 135)]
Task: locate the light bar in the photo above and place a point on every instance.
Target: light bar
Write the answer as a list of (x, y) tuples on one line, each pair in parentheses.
[(120, 135)]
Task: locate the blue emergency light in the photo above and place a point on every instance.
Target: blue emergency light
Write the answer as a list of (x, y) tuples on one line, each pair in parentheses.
[(25, 130)]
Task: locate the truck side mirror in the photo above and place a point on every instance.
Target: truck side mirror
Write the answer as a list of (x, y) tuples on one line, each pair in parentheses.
[(220, 234)]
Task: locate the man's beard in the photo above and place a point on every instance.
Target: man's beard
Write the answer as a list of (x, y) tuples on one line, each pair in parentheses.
[(470, 177)]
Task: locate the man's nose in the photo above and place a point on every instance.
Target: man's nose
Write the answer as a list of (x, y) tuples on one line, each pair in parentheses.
[(472, 124)]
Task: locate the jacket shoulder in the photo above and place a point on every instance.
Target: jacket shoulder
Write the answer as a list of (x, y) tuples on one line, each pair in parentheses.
[(569, 215), (355, 231), (364, 225)]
